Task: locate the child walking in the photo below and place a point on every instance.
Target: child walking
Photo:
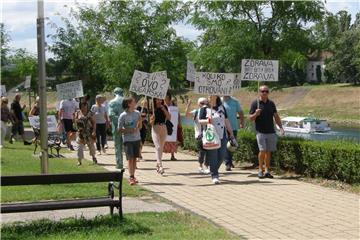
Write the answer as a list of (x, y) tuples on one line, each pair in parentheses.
[(129, 125)]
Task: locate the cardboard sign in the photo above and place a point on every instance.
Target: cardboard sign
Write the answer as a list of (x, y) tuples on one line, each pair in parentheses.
[(70, 90), (3, 91), (174, 112), (190, 71), (221, 84), (259, 70), (150, 84), (27, 83), (51, 122)]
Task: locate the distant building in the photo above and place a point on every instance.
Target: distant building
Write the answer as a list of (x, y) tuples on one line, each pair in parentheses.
[(316, 60)]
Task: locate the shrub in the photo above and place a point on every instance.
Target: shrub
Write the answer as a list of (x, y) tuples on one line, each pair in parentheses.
[(328, 159)]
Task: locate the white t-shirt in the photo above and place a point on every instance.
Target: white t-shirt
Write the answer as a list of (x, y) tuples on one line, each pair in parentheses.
[(69, 107), (197, 125), (99, 113)]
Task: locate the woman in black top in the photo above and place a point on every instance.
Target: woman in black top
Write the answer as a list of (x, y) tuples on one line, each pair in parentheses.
[(159, 131)]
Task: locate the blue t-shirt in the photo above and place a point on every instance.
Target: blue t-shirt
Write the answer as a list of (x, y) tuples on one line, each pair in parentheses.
[(129, 120), (232, 107)]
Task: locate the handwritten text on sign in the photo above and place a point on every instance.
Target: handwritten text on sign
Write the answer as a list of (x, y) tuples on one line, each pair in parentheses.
[(190, 71), (259, 70), (208, 83), (150, 84), (51, 122), (70, 90)]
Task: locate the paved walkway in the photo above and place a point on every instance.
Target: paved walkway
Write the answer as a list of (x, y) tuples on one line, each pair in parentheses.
[(252, 208)]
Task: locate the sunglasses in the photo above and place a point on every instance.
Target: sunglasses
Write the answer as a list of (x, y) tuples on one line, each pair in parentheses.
[(265, 91)]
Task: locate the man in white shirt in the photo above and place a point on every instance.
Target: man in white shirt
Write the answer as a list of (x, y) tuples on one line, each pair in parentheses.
[(66, 115)]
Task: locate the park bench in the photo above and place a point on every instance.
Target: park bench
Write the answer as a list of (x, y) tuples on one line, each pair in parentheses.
[(54, 142), (46, 179)]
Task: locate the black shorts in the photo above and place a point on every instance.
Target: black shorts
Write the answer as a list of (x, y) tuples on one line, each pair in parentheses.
[(17, 128), (68, 125), (132, 149)]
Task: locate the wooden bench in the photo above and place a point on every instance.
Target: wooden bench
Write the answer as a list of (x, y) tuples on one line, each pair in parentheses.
[(46, 179)]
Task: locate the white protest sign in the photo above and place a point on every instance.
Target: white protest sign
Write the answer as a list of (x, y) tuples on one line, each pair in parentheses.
[(51, 122), (27, 83), (69, 90), (221, 84), (259, 70), (150, 84), (3, 90), (190, 71), (174, 113)]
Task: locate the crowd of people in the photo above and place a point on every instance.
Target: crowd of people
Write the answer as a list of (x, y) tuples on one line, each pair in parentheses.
[(130, 122)]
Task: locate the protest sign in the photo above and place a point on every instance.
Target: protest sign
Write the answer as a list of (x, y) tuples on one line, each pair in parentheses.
[(3, 90), (51, 122), (190, 71), (69, 90), (150, 84), (27, 83), (208, 83), (259, 70)]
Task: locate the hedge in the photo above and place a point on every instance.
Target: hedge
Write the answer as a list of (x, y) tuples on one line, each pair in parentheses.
[(338, 160)]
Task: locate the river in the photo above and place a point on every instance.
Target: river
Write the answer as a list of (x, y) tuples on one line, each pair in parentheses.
[(337, 132)]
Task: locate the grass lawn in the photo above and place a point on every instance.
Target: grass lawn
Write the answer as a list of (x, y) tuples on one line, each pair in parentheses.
[(168, 225), (17, 159)]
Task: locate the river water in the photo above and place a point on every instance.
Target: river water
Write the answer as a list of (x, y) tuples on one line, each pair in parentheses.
[(337, 132)]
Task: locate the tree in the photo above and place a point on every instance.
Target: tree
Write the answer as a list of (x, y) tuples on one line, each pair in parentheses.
[(5, 39)]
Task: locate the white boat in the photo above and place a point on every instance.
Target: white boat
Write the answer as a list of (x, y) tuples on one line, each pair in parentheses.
[(304, 125)]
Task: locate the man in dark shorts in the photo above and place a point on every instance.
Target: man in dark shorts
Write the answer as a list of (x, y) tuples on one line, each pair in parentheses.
[(263, 112), (17, 114), (66, 110)]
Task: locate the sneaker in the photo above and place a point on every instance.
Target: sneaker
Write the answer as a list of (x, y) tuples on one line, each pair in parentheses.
[(260, 175), (132, 181), (27, 143), (228, 168), (201, 170), (99, 153), (206, 171), (268, 175), (106, 146), (104, 151), (215, 181)]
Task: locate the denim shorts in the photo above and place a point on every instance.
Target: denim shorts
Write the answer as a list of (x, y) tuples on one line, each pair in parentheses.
[(132, 149), (266, 141)]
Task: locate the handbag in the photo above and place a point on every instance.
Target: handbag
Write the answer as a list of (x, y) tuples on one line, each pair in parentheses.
[(210, 139), (169, 127)]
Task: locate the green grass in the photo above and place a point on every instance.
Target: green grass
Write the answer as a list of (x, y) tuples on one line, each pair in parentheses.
[(17, 159), (168, 225)]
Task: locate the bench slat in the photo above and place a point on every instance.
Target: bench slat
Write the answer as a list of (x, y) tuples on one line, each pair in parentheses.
[(61, 178), (55, 205)]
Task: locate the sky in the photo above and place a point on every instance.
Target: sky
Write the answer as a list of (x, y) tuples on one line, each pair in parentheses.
[(19, 17)]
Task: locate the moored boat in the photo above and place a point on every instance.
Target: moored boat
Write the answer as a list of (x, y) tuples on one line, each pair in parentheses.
[(304, 125)]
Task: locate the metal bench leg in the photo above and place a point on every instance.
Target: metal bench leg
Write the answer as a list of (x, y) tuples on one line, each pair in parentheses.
[(111, 195), (120, 199)]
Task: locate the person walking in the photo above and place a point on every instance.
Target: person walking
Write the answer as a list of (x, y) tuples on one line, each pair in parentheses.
[(129, 126), (194, 114), (67, 110), (5, 119), (102, 121), (86, 132), (115, 109), (216, 115), (234, 113), (143, 131), (158, 130), (171, 140), (263, 112), (18, 117)]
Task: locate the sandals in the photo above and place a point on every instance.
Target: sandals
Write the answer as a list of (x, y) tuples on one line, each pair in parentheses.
[(160, 169)]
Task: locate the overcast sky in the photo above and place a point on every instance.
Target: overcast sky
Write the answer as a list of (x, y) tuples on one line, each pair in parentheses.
[(19, 18)]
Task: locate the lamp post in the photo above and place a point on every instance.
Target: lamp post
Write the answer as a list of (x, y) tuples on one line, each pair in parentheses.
[(42, 87)]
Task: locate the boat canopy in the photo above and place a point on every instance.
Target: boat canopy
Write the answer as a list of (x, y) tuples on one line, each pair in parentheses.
[(300, 119)]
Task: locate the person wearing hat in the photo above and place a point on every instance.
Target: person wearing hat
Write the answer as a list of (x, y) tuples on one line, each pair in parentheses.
[(114, 111), (194, 114), (102, 121)]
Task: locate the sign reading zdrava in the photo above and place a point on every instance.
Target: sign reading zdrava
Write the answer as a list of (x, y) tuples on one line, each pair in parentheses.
[(69, 90), (150, 84), (259, 70), (208, 83)]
